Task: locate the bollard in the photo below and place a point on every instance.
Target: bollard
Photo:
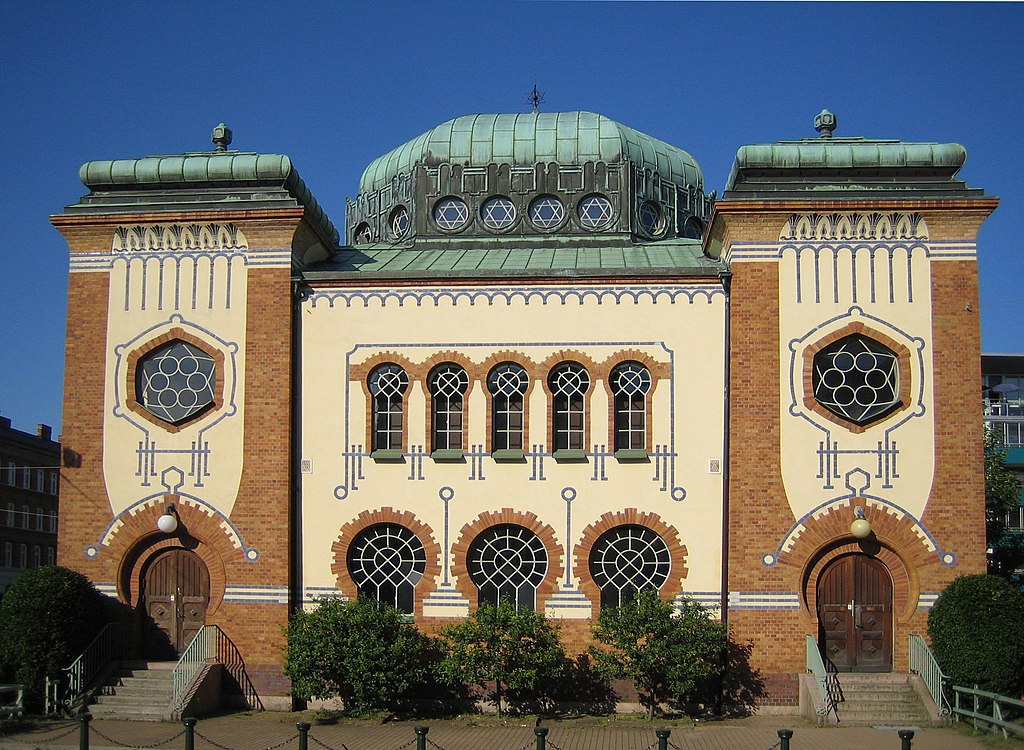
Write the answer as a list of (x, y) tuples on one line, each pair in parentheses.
[(663, 739), (784, 737), (906, 737), (83, 731), (303, 727), (421, 737), (190, 733), (542, 733)]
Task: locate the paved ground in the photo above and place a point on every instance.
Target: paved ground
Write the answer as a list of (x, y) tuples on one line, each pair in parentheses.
[(264, 732)]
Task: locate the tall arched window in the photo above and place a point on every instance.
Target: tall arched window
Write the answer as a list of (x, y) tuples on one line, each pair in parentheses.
[(386, 561), (388, 383), (447, 384), (569, 383), (507, 563), (630, 382), (628, 559), (507, 383)]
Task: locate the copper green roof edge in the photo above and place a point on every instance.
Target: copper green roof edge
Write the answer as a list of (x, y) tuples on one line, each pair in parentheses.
[(531, 138), (848, 153), (383, 261), (214, 169)]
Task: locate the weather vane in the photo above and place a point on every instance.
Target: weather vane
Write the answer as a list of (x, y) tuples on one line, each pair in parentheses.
[(535, 97)]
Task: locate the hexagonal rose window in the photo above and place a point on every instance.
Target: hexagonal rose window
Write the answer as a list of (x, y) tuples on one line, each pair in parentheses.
[(857, 378), (176, 382)]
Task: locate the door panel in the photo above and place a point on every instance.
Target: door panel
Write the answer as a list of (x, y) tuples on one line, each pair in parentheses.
[(855, 614), (176, 591)]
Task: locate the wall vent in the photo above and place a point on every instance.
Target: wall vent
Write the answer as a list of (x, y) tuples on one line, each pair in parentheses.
[(714, 466), (306, 466)]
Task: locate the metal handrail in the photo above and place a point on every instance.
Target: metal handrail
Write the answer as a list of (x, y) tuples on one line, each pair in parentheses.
[(995, 703), (76, 678), (816, 666), (922, 662), (211, 645)]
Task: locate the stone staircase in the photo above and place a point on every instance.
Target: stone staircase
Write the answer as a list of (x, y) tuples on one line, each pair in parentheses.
[(137, 691), (884, 699)]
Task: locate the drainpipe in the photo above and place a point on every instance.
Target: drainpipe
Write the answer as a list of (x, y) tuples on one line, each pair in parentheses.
[(300, 292), (726, 278)]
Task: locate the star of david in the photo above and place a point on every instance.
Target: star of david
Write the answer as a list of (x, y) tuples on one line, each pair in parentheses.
[(595, 211)]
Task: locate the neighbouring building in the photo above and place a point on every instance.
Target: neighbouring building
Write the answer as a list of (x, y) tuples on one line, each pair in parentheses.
[(544, 363), (29, 488), (1002, 377)]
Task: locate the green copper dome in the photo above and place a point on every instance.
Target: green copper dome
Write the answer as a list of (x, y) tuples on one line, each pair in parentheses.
[(532, 138)]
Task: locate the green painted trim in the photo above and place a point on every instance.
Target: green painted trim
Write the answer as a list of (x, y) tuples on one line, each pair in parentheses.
[(448, 455), (570, 456), (509, 456), (388, 455), (632, 454)]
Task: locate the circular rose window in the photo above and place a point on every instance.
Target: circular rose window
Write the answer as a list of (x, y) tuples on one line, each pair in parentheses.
[(176, 382)]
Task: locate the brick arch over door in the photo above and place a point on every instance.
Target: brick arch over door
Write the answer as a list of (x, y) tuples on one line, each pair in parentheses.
[(581, 552), (138, 541), (366, 519), (460, 551)]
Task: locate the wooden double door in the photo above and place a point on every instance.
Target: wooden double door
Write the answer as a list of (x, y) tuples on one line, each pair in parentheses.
[(855, 614), (176, 594)]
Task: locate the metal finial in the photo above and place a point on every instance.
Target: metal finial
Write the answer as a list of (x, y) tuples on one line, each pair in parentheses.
[(825, 122), (535, 97), (222, 137)]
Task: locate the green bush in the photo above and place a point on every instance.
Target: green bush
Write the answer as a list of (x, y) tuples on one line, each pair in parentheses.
[(666, 650), (976, 633), (47, 618), (361, 650), (516, 649)]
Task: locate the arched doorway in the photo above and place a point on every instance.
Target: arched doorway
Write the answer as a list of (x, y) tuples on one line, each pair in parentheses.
[(854, 598), (175, 593)]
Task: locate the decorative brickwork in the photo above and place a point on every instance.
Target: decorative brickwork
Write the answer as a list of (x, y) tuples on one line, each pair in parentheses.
[(366, 519)]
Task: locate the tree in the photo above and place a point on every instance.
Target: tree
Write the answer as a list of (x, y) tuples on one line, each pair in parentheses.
[(47, 618), (1002, 496), (666, 650), (516, 649), (975, 630), (362, 651)]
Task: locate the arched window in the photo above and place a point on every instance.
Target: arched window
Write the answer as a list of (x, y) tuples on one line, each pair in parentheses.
[(386, 561), (569, 383), (387, 383), (507, 563), (628, 559), (630, 383), (447, 384), (507, 383)]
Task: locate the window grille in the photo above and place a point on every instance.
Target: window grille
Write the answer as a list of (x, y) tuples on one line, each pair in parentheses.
[(507, 383), (507, 563), (626, 560), (386, 561), (447, 384), (630, 384), (569, 383), (388, 384)]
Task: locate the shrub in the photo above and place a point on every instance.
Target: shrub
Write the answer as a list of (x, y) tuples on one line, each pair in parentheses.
[(975, 629), (47, 618), (516, 649), (362, 651), (666, 650)]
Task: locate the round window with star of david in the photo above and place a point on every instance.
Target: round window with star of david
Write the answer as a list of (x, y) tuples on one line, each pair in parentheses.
[(649, 218), (594, 211), (451, 213), (176, 382), (857, 378), (547, 212), (398, 222), (498, 213)]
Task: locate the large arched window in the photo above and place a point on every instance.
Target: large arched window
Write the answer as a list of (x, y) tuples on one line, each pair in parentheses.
[(630, 382), (447, 384), (628, 559), (507, 563), (569, 383), (388, 383), (507, 384), (386, 561)]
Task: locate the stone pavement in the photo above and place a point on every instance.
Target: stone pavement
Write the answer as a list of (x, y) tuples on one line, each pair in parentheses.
[(266, 731)]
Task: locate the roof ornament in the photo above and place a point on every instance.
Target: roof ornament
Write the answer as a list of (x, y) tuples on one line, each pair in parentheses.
[(825, 122), (222, 137), (535, 97)]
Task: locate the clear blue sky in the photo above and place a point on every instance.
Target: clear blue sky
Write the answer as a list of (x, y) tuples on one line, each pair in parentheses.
[(335, 84)]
